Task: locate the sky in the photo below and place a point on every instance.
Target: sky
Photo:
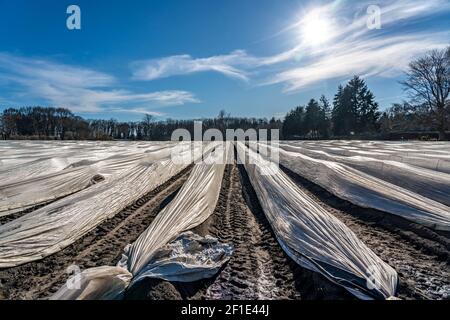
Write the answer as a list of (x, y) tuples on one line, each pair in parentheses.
[(189, 59)]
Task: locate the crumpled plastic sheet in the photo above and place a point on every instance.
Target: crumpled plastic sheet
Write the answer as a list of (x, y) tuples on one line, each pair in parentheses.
[(368, 191), (41, 188), (36, 168), (101, 283), (20, 196), (428, 183), (314, 238), (188, 258), (166, 250), (33, 159), (429, 155), (55, 226)]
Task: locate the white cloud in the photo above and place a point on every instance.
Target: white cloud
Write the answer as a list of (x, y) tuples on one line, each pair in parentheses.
[(138, 111), (357, 50), (386, 57), (20, 68), (80, 89), (227, 65), (352, 48)]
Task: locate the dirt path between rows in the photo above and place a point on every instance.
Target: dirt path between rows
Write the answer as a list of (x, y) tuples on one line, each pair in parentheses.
[(420, 255), (258, 268), (102, 246)]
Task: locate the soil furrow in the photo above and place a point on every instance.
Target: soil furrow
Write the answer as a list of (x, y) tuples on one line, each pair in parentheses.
[(258, 268), (102, 246), (420, 255)]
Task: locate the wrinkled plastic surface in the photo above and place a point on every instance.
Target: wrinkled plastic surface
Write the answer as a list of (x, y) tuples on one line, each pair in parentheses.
[(314, 238), (188, 258), (101, 283), (368, 191), (192, 206), (426, 182), (27, 185), (429, 155), (22, 195), (59, 224), (165, 250)]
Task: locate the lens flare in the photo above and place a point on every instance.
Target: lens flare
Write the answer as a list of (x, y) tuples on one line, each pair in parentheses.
[(316, 28)]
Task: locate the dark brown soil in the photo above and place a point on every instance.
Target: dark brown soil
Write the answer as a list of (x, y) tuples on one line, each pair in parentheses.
[(258, 269), (420, 255), (102, 246)]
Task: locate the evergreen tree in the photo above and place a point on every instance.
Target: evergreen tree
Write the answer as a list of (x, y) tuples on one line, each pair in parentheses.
[(355, 109), (363, 106), (343, 115), (293, 125), (315, 120), (326, 127)]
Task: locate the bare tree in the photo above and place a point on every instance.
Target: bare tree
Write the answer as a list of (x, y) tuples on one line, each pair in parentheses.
[(147, 124), (428, 82)]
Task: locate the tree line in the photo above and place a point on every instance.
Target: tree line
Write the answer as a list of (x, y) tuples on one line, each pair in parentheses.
[(62, 124), (353, 113)]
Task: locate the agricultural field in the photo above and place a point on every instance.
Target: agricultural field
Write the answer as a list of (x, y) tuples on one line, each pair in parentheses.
[(212, 220)]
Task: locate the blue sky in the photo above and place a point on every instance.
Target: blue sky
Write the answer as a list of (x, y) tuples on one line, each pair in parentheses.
[(192, 58)]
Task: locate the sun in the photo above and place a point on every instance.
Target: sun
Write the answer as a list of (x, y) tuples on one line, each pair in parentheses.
[(316, 28)]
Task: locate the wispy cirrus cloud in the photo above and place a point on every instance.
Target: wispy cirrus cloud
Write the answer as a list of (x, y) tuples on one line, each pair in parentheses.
[(228, 65), (352, 47), (387, 57), (356, 49), (81, 89), (140, 111)]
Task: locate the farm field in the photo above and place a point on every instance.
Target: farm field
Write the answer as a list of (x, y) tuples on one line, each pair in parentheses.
[(129, 220)]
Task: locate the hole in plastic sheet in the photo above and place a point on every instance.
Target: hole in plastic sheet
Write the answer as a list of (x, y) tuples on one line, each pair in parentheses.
[(97, 178)]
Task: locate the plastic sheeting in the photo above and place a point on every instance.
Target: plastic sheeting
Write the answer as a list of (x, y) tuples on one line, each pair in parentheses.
[(367, 191), (428, 183), (188, 258), (165, 250), (59, 224), (314, 238), (40, 188), (20, 172), (31, 159), (432, 156), (36, 191)]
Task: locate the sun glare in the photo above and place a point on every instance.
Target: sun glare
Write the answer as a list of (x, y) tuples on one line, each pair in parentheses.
[(315, 29)]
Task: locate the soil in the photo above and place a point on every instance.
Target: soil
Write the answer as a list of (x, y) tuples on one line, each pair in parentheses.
[(102, 246), (420, 255), (258, 268)]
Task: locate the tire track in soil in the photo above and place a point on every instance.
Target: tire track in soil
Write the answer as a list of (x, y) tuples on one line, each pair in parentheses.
[(420, 255), (102, 246), (251, 272), (258, 268)]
